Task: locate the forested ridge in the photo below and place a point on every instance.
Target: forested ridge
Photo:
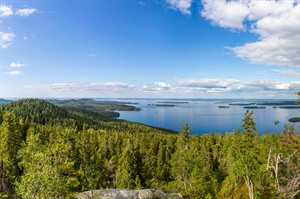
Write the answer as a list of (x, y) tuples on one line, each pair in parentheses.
[(48, 151)]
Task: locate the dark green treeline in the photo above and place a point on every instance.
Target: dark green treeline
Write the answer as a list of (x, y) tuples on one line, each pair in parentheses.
[(56, 152)]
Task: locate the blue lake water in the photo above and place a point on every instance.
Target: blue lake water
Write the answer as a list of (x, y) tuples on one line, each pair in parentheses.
[(205, 116)]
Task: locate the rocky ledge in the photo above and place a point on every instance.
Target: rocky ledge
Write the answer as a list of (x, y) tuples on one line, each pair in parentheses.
[(127, 194)]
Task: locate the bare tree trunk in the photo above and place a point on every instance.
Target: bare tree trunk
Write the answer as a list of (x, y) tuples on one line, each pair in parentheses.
[(291, 189), (249, 185), (274, 167)]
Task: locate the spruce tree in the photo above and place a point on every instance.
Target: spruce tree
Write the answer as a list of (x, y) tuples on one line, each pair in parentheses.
[(10, 140)]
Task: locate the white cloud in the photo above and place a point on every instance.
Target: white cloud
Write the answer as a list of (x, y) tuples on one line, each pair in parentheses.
[(163, 85), (290, 73), (6, 39), (6, 10), (207, 83), (16, 65), (262, 8), (182, 5), (25, 11), (112, 86), (180, 88), (14, 72), (234, 85), (275, 21), (227, 14)]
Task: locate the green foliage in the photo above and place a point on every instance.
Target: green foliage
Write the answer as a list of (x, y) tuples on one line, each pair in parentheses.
[(298, 101), (10, 139), (104, 108), (54, 152), (248, 123), (127, 174), (47, 171)]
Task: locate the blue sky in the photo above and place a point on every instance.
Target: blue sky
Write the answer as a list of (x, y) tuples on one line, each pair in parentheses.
[(153, 48)]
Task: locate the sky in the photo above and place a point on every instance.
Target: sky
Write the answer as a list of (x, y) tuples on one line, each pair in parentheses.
[(150, 48)]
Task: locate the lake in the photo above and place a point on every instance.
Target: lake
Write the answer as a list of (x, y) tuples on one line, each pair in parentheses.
[(205, 116)]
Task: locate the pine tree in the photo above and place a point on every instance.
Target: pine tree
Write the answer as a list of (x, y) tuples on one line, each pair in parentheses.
[(128, 169), (42, 176), (243, 155), (10, 139)]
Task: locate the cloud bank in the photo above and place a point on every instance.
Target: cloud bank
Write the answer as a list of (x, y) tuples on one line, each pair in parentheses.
[(276, 22), (182, 88)]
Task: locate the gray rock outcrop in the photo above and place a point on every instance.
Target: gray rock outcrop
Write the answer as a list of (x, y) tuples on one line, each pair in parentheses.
[(127, 194)]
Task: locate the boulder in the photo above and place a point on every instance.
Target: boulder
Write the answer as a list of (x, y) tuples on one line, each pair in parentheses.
[(174, 196), (127, 194)]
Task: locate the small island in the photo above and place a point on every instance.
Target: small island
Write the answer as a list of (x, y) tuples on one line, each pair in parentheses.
[(241, 104), (294, 119), (224, 106), (171, 102), (288, 107), (166, 105), (277, 103), (254, 107)]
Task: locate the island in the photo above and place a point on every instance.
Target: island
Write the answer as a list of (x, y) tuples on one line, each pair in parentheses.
[(172, 102), (166, 105), (224, 106), (277, 103), (254, 107), (105, 108), (294, 119), (288, 107), (241, 104)]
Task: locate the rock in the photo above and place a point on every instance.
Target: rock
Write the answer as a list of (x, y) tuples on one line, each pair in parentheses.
[(174, 196), (127, 194), (145, 193), (160, 194)]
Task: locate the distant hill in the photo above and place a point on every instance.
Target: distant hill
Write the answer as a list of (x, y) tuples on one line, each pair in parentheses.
[(43, 112), (105, 108), (4, 101)]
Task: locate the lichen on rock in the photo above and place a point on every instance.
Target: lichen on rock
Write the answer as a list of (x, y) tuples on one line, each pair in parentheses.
[(127, 194)]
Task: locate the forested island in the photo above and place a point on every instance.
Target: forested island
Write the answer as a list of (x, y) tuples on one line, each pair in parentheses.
[(165, 105), (50, 151), (224, 106), (105, 108), (254, 107)]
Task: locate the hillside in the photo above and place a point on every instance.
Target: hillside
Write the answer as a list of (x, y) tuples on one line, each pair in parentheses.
[(43, 112), (47, 151), (104, 108), (4, 101)]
